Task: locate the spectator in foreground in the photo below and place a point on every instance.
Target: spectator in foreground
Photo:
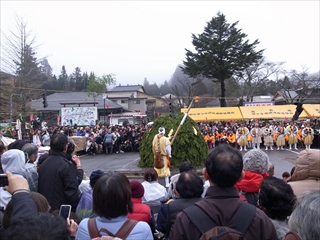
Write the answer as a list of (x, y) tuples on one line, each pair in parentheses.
[(112, 203), (271, 169), (26, 223), (184, 166), (84, 208), (14, 161), (58, 176), (277, 200), (188, 190), (304, 220), (255, 165), (153, 191), (141, 211), (307, 172), (223, 168), (31, 152)]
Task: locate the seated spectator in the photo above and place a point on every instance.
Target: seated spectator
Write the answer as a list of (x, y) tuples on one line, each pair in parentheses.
[(141, 212), (307, 172), (271, 169), (41, 226), (277, 200), (153, 191), (304, 220), (91, 145), (163, 209), (184, 166), (255, 165), (41, 204), (112, 203), (286, 176), (84, 208), (99, 142), (31, 152), (189, 188)]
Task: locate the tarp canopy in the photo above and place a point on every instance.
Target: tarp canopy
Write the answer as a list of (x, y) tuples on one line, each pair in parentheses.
[(313, 110), (214, 114), (270, 112)]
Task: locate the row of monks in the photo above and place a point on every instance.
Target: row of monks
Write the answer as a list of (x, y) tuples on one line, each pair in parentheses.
[(270, 134)]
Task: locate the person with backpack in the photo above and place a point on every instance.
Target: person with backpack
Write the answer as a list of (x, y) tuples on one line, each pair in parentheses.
[(221, 213), (111, 201)]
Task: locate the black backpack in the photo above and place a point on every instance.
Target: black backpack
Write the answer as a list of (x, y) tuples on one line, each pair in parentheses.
[(235, 228)]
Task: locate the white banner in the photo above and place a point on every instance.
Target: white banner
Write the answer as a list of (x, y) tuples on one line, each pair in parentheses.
[(82, 116)]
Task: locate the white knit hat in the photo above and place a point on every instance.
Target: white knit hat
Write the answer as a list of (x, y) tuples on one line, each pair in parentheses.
[(256, 161)]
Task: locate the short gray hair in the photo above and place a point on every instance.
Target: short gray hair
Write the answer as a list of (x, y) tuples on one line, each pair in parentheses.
[(30, 149), (304, 220)]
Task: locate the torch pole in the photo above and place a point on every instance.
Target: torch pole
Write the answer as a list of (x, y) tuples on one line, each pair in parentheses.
[(182, 121)]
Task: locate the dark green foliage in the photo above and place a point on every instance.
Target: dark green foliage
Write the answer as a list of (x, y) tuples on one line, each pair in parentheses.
[(187, 145), (221, 51)]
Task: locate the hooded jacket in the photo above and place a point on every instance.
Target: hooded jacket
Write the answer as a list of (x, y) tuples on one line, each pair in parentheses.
[(14, 161), (306, 175)]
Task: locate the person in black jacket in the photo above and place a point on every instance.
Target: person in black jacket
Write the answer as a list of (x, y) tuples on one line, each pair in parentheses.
[(188, 190), (58, 175)]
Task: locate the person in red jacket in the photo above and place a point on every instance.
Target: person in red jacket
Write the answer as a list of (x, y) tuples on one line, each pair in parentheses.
[(256, 166), (141, 211)]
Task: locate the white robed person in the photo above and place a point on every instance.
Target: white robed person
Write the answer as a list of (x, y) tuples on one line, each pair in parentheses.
[(268, 136), (256, 134), (161, 148)]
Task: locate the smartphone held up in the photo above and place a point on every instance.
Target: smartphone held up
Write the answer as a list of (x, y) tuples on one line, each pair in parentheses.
[(3, 180), (65, 211)]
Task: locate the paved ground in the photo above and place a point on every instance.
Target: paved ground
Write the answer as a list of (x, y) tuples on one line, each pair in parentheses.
[(128, 162)]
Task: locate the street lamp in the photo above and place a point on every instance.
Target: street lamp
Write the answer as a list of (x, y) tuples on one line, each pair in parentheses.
[(104, 96)]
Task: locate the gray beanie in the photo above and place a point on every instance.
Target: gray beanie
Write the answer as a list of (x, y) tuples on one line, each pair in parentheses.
[(256, 161)]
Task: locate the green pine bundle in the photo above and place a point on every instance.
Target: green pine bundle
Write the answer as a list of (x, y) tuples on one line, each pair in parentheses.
[(189, 144)]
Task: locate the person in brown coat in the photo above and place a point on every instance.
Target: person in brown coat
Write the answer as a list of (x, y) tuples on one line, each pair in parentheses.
[(307, 172), (223, 168)]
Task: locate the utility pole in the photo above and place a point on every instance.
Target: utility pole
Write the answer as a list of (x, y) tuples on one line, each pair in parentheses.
[(11, 104)]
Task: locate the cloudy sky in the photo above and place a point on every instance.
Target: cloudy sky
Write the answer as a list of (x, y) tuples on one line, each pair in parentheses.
[(138, 39)]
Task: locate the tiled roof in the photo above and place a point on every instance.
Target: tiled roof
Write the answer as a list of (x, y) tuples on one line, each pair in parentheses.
[(127, 88), (54, 101)]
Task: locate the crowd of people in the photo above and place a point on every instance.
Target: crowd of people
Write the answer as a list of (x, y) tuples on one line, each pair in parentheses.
[(239, 193), (100, 138), (270, 135)]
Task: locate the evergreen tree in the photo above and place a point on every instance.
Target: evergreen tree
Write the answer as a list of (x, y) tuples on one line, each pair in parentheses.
[(187, 145), (221, 51), (63, 79), (78, 80)]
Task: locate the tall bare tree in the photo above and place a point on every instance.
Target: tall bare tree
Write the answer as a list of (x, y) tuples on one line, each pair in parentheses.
[(300, 86), (19, 59), (256, 74)]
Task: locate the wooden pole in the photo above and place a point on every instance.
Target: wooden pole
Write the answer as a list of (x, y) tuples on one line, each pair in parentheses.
[(182, 121)]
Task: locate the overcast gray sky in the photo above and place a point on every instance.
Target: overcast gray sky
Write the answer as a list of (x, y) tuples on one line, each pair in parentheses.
[(138, 39)]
